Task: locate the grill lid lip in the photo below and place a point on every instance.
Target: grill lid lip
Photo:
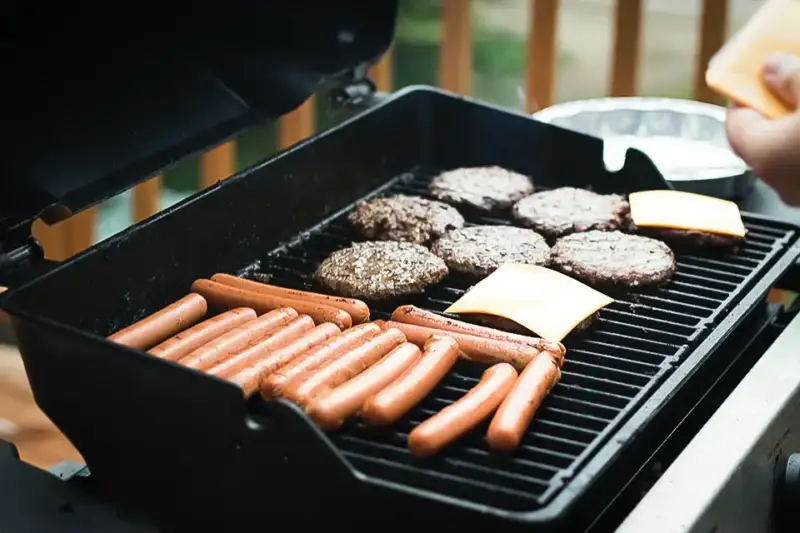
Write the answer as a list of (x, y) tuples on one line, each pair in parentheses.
[(96, 108)]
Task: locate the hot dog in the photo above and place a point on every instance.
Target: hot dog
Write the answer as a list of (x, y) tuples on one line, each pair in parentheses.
[(305, 388), (458, 418), (227, 297), (516, 412), (188, 340), (409, 314), (162, 324), (274, 385), (358, 310), (223, 347), (330, 410), (400, 396), (277, 338), (249, 368), (479, 349)]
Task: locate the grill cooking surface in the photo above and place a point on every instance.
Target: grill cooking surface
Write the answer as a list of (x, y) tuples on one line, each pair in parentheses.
[(608, 371)]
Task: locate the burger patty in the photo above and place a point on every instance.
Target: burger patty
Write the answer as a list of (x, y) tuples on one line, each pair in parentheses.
[(480, 250), (380, 270), (613, 258), (483, 189), (688, 238), (504, 324), (404, 218), (567, 210)]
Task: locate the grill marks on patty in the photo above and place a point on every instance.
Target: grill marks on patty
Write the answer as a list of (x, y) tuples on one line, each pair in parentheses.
[(567, 210), (380, 270), (613, 259), (482, 189), (404, 218), (480, 250)]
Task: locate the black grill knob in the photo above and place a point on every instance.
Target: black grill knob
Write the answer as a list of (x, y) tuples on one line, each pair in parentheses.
[(787, 495)]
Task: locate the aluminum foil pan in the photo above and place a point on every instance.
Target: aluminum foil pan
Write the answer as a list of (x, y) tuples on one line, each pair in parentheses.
[(684, 139)]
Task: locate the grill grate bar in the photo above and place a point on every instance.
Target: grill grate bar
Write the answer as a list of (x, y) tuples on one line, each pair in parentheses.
[(634, 343)]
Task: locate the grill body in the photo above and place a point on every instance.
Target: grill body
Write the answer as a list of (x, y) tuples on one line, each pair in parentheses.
[(218, 462)]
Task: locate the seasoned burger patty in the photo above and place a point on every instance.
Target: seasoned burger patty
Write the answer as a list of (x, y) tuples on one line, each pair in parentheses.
[(568, 210), (480, 188), (688, 238), (380, 270), (480, 250), (504, 324), (613, 258), (404, 218)]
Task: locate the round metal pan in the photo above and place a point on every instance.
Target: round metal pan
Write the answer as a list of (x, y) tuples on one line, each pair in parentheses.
[(685, 139)]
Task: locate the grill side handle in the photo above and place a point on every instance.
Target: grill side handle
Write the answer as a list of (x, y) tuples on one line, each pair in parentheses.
[(199, 456)]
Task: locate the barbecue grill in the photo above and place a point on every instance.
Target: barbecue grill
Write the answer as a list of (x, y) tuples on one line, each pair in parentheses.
[(187, 452)]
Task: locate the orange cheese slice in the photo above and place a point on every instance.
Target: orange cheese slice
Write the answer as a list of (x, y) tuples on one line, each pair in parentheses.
[(735, 71), (687, 211), (546, 302)]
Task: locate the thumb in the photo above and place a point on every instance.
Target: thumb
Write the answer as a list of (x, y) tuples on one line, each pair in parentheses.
[(782, 74)]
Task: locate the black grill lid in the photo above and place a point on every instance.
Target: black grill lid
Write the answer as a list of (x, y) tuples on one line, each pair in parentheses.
[(97, 97)]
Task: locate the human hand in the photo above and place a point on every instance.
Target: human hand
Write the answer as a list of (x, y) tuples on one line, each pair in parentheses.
[(772, 147)]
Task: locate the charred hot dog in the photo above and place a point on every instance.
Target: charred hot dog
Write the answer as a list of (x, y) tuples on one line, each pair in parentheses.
[(227, 297), (274, 385), (330, 410), (305, 388), (189, 340), (516, 412), (358, 310), (162, 324), (249, 368), (473, 348), (455, 420), (223, 347), (409, 314), (400, 396)]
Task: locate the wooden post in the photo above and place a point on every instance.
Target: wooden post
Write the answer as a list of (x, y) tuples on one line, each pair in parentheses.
[(713, 30), (627, 48), (297, 125), (542, 54), (455, 59), (217, 164), (381, 72), (80, 231), (146, 199)]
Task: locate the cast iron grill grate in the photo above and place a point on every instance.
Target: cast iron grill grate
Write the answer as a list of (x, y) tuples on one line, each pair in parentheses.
[(608, 371)]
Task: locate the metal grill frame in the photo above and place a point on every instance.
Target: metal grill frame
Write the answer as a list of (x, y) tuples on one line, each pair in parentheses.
[(764, 239), (207, 448)]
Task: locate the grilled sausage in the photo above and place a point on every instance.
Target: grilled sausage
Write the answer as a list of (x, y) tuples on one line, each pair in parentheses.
[(162, 324), (223, 347), (305, 388), (478, 349), (400, 396), (257, 347), (358, 310), (516, 412), (458, 418), (227, 297), (256, 364), (190, 339), (274, 385), (409, 314), (331, 410)]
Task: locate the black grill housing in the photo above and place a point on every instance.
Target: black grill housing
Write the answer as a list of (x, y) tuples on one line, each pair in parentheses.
[(130, 413)]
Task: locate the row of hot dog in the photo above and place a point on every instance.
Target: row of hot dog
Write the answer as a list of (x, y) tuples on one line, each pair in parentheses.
[(304, 347)]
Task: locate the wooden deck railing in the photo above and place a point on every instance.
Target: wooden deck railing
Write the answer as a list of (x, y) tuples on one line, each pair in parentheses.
[(455, 71)]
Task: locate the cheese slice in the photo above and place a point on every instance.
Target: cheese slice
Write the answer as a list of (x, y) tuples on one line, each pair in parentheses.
[(735, 71), (546, 302), (687, 211)]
